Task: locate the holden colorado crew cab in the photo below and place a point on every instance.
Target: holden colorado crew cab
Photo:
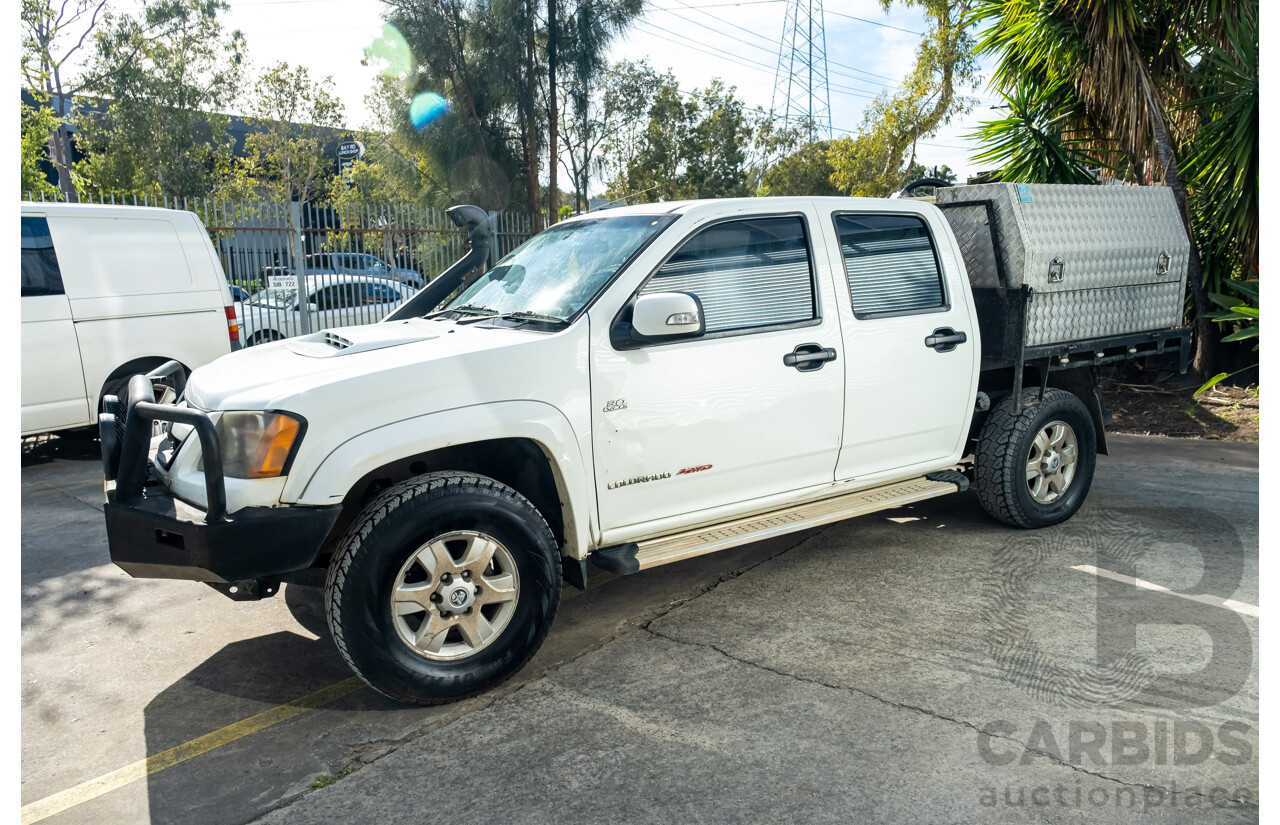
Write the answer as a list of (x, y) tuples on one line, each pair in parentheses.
[(639, 386)]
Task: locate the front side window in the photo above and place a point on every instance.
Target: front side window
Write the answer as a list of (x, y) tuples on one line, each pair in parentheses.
[(890, 265), (40, 272), (557, 272), (747, 273), (343, 296)]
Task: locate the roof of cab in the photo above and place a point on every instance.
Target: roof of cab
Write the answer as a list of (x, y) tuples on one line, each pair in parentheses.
[(730, 206)]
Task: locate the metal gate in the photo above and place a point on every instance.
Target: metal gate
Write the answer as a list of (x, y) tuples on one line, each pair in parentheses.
[(296, 268)]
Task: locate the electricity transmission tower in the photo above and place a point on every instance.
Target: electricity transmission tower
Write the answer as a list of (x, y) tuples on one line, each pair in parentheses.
[(800, 90)]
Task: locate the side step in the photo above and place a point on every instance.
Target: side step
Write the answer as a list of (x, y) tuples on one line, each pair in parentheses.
[(636, 556)]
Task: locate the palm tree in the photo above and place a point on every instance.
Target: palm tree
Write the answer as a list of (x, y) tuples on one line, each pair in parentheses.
[(1128, 65)]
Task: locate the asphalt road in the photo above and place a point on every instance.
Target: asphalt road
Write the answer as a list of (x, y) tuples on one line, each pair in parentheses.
[(918, 665)]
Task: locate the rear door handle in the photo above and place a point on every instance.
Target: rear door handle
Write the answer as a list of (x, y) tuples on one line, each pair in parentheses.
[(945, 339), (809, 357)]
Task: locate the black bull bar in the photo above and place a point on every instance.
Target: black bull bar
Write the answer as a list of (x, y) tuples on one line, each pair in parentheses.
[(125, 430)]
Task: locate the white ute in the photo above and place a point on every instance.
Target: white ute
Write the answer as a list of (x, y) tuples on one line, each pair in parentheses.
[(639, 386)]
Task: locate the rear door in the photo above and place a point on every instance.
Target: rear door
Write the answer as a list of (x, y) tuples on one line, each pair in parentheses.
[(53, 389), (910, 379), (721, 421)]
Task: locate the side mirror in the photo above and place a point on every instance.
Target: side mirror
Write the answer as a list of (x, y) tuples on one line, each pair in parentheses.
[(311, 307), (657, 317)]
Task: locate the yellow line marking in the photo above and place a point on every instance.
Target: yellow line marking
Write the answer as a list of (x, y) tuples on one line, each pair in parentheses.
[(94, 788)]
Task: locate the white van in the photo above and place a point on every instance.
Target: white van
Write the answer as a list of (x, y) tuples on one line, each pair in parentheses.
[(108, 292)]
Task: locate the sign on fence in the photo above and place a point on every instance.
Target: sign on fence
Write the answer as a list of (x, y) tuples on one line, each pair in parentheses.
[(282, 282)]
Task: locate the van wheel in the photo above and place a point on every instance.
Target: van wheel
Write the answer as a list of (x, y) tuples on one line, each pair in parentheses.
[(443, 587), (164, 387), (1034, 467)]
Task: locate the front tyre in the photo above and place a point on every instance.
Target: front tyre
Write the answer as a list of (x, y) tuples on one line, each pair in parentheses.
[(1034, 467), (444, 587)]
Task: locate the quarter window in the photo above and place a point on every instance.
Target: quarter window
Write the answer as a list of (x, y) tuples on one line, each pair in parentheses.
[(40, 272), (749, 273), (890, 265)]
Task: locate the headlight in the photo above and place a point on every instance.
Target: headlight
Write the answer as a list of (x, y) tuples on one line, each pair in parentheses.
[(257, 444)]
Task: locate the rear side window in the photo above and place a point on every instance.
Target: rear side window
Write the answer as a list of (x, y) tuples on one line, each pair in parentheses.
[(378, 293), (890, 265), (749, 273), (40, 272)]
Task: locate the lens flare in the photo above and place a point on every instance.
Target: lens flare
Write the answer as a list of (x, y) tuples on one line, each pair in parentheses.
[(426, 109), (392, 51)]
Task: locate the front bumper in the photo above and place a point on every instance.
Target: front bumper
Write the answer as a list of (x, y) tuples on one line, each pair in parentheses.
[(158, 536), (153, 534)]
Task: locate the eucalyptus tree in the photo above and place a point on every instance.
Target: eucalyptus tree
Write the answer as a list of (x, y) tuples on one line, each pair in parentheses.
[(163, 130), (579, 38), (482, 56), (610, 108), (876, 161), (55, 35), (294, 119)]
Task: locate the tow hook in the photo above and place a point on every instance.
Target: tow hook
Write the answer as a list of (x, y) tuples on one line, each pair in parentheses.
[(248, 590)]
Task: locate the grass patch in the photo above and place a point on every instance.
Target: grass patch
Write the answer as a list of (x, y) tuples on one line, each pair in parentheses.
[(324, 780)]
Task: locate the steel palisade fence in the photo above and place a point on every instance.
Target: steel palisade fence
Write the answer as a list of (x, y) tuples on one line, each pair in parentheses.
[(359, 262)]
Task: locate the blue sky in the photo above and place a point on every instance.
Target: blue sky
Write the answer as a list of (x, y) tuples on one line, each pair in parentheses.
[(737, 43)]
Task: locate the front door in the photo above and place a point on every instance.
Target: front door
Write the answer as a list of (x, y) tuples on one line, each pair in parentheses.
[(910, 378), (686, 426)]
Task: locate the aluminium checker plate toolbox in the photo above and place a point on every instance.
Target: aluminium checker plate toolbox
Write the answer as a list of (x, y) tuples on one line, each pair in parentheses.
[(1100, 260)]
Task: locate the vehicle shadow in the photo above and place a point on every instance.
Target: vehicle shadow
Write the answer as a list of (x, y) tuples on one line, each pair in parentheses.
[(71, 445), (240, 778)]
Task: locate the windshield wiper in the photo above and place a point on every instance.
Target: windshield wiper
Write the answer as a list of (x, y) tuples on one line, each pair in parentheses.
[(466, 309), (524, 315)]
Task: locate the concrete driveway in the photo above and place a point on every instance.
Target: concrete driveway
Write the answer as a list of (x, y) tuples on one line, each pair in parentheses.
[(923, 665)]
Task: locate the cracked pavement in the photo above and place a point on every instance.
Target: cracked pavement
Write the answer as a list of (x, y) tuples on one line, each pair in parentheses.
[(923, 665)]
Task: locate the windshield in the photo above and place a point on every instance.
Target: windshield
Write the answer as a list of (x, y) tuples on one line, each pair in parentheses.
[(556, 273), (278, 298)]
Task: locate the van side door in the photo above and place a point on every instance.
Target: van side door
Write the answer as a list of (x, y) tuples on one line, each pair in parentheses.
[(53, 389), (911, 336)]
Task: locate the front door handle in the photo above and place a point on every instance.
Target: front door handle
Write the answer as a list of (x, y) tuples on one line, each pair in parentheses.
[(945, 339), (809, 357)]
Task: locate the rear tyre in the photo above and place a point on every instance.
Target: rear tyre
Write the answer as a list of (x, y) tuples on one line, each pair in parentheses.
[(1034, 467), (444, 587)]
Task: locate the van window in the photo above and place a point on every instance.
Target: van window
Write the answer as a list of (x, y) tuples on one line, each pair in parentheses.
[(40, 272)]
